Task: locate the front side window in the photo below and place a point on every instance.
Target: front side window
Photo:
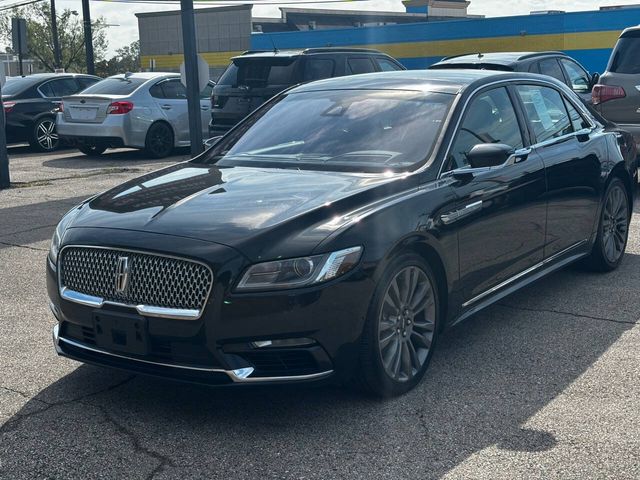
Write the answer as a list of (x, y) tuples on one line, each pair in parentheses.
[(552, 68), (577, 121), (578, 78), (347, 130), (356, 66), (387, 65), (546, 111), (490, 118)]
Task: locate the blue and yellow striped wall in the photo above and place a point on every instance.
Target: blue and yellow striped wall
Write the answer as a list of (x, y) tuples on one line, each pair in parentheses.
[(586, 36)]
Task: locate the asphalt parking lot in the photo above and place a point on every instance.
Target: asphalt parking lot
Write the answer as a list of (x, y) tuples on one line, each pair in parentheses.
[(545, 384)]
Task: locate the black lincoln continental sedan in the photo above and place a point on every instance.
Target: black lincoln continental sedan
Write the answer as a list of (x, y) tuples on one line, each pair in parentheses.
[(339, 228)]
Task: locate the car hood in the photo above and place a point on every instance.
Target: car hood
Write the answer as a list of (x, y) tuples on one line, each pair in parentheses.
[(258, 211)]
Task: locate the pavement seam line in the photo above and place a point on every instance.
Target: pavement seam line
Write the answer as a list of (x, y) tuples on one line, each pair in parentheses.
[(30, 229), (560, 312), (24, 246)]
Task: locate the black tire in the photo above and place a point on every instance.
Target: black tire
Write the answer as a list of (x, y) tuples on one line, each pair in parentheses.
[(44, 137), (376, 373), (159, 141), (613, 229), (92, 150)]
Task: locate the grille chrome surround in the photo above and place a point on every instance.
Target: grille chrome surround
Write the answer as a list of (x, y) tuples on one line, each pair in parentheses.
[(159, 285)]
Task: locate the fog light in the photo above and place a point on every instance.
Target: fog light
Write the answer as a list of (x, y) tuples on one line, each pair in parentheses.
[(287, 342)]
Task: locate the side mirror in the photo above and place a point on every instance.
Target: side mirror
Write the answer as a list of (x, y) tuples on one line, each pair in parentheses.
[(489, 155), (210, 142), (595, 78)]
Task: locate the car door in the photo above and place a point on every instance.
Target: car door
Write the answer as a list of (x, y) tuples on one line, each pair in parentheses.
[(566, 142), (55, 89), (205, 108), (171, 98), (500, 213)]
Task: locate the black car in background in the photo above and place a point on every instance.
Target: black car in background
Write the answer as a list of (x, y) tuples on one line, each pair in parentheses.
[(339, 228), (558, 65), (30, 103), (255, 76)]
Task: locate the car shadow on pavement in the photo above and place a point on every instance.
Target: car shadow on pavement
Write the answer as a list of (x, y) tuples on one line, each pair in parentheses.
[(113, 158), (489, 377)]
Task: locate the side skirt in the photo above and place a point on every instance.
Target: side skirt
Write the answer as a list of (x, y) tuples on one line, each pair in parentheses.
[(530, 275)]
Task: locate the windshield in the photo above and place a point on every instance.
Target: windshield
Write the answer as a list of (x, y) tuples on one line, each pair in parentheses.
[(115, 86), (353, 130)]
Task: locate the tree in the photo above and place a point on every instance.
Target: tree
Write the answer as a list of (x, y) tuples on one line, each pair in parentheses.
[(126, 59), (70, 34)]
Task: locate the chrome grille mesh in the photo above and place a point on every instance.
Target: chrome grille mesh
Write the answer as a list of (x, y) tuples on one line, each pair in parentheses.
[(153, 280)]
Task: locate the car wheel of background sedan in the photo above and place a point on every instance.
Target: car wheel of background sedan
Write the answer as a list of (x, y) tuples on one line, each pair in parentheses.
[(613, 229), (44, 137), (401, 328), (159, 141), (92, 150)]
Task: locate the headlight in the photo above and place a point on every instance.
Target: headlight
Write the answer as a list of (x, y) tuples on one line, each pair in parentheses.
[(54, 249), (299, 272)]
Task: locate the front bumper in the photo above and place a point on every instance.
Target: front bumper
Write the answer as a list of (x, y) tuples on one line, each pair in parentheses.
[(227, 344)]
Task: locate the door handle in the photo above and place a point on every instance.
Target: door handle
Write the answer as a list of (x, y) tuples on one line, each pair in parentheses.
[(165, 107), (202, 107), (519, 156)]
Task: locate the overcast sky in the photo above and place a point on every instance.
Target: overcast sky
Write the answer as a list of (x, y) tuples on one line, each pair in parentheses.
[(127, 32)]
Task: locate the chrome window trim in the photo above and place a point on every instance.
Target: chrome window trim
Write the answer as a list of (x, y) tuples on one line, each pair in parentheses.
[(505, 82), (145, 310), (237, 376), (54, 79)]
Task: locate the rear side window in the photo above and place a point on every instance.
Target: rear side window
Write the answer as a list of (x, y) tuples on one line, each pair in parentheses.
[(626, 56), (546, 111), (552, 68), (59, 87), (173, 89), (356, 65), (229, 78), (115, 86), (318, 68), (387, 65)]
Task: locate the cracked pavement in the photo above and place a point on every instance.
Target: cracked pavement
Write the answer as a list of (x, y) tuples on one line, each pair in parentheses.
[(545, 384)]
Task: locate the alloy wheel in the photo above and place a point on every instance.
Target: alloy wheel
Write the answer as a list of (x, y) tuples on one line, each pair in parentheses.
[(615, 224), (406, 323), (46, 134), (160, 141)]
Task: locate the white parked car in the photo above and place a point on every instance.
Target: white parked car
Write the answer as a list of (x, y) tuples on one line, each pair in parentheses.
[(139, 110)]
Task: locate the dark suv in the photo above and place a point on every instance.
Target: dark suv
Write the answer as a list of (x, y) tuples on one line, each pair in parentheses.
[(255, 76), (617, 95), (30, 103), (555, 64)]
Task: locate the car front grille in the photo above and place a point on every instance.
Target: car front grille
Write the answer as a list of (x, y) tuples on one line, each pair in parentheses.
[(153, 280)]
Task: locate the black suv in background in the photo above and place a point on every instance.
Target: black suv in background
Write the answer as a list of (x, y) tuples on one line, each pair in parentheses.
[(255, 76), (30, 103), (555, 64)]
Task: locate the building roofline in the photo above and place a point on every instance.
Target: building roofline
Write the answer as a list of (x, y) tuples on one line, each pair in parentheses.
[(232, 8)]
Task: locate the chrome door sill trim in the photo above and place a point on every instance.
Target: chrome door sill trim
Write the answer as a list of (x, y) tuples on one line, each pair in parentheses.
[(241, 375), (145, 310), (522, 274)]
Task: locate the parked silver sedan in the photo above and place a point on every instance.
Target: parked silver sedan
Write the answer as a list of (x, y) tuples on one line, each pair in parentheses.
[(139, 110)]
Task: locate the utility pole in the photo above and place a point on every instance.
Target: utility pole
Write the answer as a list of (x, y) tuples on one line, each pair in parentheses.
[(57, 60), (88, 37), (191, 74), (5, 180)]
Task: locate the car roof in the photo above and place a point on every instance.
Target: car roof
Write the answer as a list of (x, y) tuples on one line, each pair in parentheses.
[(629, 30), (38, 77), (145, 75), (506, 59), (304, 51), (451, 81)]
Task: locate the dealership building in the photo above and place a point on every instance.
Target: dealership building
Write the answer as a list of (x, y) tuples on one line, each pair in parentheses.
[(421, 35)]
